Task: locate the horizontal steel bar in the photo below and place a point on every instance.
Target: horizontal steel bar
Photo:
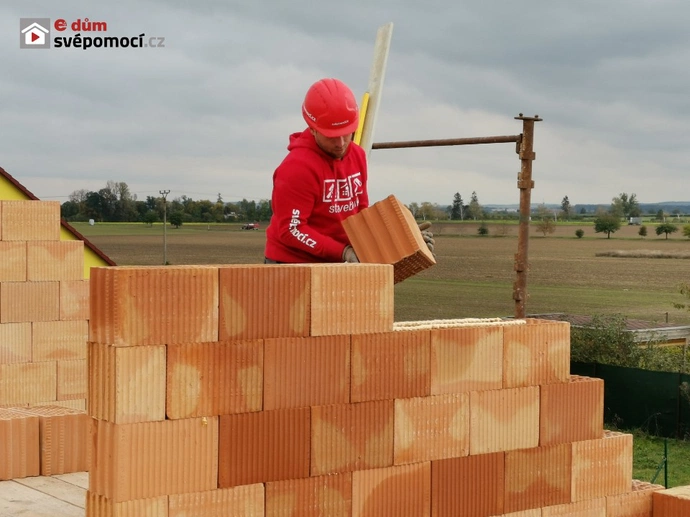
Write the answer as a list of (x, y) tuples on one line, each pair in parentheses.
[(448, 141)]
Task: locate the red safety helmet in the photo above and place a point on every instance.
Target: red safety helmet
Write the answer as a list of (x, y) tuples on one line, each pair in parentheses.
[(330, 108)]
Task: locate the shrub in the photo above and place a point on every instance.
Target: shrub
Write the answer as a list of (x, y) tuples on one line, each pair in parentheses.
[(579, 233), (642, 232), (483, 230)]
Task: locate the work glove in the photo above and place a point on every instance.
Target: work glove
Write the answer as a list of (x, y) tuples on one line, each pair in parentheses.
[(428, 236), (349, 254)]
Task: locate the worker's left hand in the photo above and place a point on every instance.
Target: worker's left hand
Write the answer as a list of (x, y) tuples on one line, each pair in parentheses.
[(428, 236)]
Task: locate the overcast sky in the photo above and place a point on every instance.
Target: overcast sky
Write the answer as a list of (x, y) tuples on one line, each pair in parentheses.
[(211, 112)]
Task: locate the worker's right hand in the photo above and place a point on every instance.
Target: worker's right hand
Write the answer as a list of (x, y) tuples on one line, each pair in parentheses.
[(349, 254)]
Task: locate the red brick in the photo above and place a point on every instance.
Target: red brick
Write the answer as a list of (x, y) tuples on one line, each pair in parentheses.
[(466, 359), (29, 301), (387, 233), (469, 487), (152, 459), (19, 445), (149, 305), (571, 411), (391, 365), (24, 383), (13, 260), (589, 508), (72, 379), (15, 343), (503, 420), (264, 446), (403, 491), (674, 502), (99, 506), (55, 260), (74, 300), (637, 503), (59, 340), (126, 385), (536, 353), (302, 372), (432, 428), (321, 496), (537, 477), (30, 220), (241, 501), (207, 379), (348, 437), (602, 467)]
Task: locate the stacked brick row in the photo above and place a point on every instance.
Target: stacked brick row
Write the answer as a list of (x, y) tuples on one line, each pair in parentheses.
[(288, 391), (43, 309)]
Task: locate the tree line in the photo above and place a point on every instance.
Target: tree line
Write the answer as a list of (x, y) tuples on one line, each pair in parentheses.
[(116, 203)]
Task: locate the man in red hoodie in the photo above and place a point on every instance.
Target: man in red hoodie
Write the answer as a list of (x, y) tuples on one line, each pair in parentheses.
[(321, 181)]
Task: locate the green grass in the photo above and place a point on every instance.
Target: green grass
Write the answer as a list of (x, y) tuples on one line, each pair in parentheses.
[(648, 452)]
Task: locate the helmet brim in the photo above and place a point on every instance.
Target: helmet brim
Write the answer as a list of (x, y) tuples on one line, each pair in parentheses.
[(341, 131)]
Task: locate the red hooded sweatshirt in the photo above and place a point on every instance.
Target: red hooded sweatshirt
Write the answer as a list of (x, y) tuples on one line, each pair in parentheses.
[(312, 193)]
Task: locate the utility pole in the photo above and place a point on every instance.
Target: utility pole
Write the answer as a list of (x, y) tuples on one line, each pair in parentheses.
[(165, 193)]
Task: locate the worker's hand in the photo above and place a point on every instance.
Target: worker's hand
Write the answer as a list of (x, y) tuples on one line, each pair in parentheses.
[(428, 236), (349, 254)]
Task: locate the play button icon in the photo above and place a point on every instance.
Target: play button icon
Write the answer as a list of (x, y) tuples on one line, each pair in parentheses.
[(34, 33), (34, 37)]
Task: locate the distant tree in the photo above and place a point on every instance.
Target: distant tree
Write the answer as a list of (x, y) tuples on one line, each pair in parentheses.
[(414, 208), (475, 209), (566, 208), (583, 210), (579, 233), (686, 231), (176, 218), (642, 232), (666, 228), (69, 209), (607, 223), (151, 217), (483, 230), (660, 216), (426, 210), (545, 223), (625, 205), (456, 207)]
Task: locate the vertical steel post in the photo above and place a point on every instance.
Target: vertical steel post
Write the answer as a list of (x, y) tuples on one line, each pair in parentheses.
[(165, 193), (525, 184)]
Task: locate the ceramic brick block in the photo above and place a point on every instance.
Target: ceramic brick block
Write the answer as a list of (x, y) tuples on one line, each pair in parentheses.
[(13, 260), (19, 445), (99, 506), (535, 512), (466, 359), (473, 486), (54, 260), (264, 301), (207, 379), (309, 371), (536, 353), (537, 477), (127, 384), (15, 342), (65, 439), (390, 365), (387, 233), (24, 383), (589, 508), (72, 379), (674, 502), (152, 459), (29, 301), (30, 220), (571, 411), (403, 491), (347, 437), (59, 340), (636, 503), (602, 467), (150, 305), (351, 299), (74, 300), (503, 420), (264, 446), (432, 428), (241, 501), (321, 496)]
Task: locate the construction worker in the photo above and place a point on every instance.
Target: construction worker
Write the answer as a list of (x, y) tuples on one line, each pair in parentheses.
[(321, 181)]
